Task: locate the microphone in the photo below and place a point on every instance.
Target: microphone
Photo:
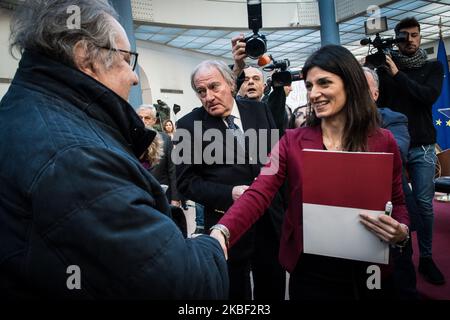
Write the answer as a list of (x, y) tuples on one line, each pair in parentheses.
[(365, 41), (264, 60)]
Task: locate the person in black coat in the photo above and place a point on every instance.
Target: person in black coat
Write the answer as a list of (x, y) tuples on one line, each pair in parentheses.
[(79, 215), (217, 173)]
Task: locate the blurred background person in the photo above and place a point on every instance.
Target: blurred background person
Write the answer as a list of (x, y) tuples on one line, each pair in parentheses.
[(169, 128), (298, 118), (157, 159)]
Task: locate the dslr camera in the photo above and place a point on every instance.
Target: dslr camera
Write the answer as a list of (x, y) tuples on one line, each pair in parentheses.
[(282, 76), (256, 44), (381, 45)]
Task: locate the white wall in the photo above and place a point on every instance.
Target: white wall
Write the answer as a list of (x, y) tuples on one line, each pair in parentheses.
[(170, 68), (8, 65), (218, 14), (435, 44), (165, 68)]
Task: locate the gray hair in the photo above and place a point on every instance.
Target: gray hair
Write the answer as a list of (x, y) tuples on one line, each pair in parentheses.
[(43, 25), (147, 107), (220, 66), (373, 74)]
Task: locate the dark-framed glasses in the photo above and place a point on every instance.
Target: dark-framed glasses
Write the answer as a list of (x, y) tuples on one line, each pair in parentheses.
[(133, 56), (298, 114)]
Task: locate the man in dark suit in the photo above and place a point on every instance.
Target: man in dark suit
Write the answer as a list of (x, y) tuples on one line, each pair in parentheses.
[(207, 174)]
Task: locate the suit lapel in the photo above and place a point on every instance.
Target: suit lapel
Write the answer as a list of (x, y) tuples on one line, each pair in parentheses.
[(248, 118), (210, 122), (312, 138)]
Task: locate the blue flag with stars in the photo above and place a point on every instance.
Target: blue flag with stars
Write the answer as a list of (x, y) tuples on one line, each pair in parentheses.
[(441, 108)]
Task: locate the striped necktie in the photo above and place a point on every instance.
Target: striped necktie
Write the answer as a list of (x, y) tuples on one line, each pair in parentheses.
[(237, 132)]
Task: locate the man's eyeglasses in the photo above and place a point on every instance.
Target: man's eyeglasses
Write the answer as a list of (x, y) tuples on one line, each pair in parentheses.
[(133, 56)]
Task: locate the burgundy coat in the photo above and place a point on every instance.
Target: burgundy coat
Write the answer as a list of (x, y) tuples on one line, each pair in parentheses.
[(252, 204)]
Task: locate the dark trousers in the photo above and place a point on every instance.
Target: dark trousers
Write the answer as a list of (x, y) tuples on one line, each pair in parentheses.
[(404, 275), (325, 278), (239, 275), (257, 251), (404, 271), (239, 259), (269, 278)]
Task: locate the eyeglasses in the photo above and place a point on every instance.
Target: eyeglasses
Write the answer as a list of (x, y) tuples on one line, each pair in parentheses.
[(133, 56), (145, 117), (298, 114)]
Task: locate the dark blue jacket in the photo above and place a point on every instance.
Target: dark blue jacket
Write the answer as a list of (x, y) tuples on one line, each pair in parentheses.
[(397, 123), (72, 192)]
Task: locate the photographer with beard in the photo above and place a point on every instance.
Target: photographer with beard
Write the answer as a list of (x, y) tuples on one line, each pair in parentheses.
[(410, 84)]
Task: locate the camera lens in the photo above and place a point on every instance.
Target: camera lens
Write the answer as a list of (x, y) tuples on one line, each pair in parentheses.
[(255, 46), (375, 60)]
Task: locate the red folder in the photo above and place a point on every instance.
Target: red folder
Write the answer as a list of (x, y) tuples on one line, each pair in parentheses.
[(347, 179), (337, 186)]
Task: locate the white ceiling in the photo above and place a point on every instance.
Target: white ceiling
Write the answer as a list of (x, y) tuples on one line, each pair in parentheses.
[(297, 44)]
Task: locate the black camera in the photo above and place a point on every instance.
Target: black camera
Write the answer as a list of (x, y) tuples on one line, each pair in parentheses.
[(383, 46), (256, 44), (282, 76)]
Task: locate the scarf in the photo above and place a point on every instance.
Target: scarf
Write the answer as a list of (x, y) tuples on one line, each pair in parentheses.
[(415, 61)]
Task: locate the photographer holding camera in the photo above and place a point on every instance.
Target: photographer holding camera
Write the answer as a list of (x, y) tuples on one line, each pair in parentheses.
[(410, 84), (250, 83)]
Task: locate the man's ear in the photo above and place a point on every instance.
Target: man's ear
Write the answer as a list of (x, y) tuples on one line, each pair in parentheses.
[(81, 59), (376, 94), (234, 89)]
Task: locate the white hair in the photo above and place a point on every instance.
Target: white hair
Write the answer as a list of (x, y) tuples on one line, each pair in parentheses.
[(147, 107), (42, 25)]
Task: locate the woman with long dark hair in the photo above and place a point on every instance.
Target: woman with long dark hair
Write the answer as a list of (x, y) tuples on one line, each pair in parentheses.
[(343, 118)]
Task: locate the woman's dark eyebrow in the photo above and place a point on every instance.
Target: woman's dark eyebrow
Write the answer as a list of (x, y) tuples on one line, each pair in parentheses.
[(324, 79)]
